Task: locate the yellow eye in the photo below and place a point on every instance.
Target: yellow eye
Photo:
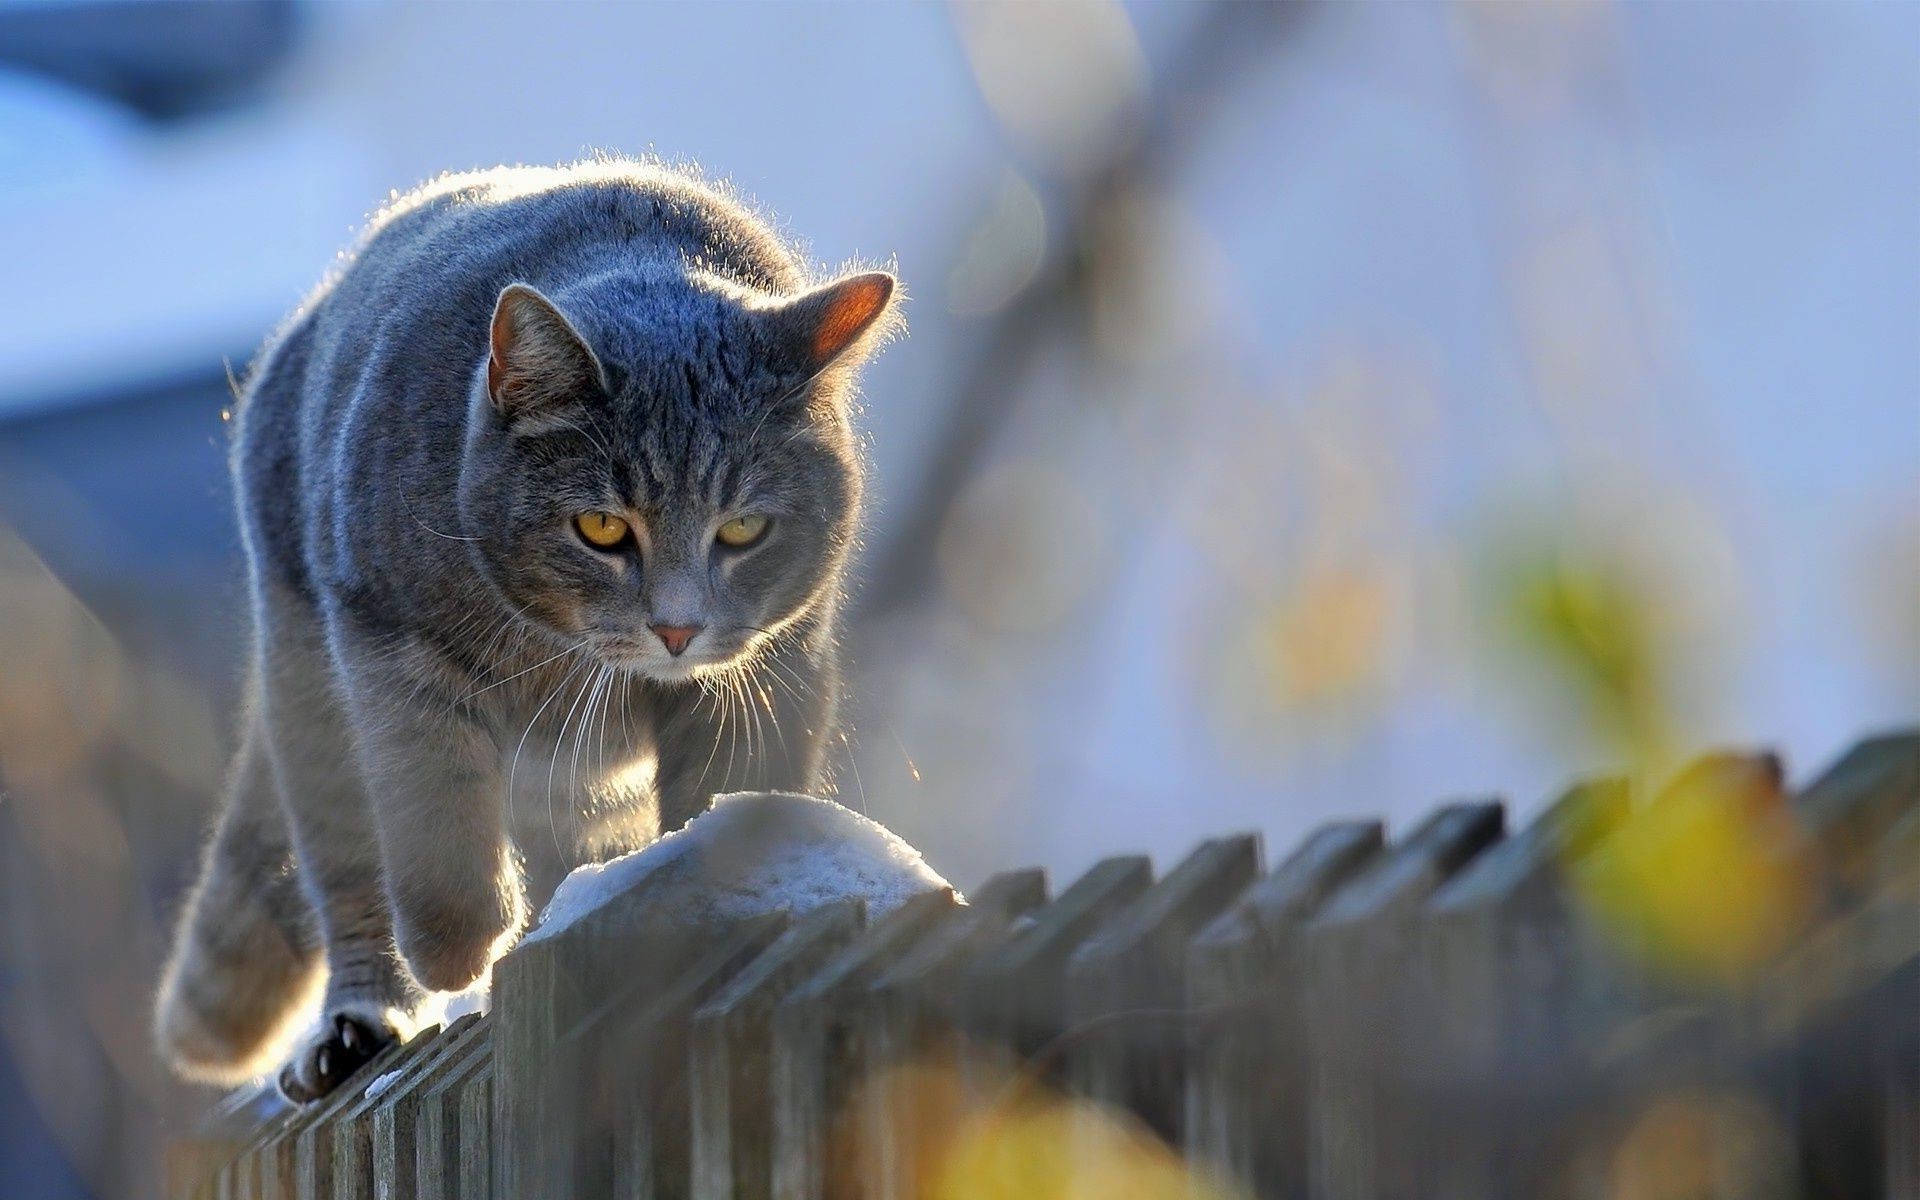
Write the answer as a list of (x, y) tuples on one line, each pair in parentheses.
[(602, 529), (742, 532)]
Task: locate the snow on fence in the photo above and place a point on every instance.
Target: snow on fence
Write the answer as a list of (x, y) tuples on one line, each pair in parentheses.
[(1723, 979)]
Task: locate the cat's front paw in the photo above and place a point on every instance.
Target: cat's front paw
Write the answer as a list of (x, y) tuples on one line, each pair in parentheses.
[(342, 1044), (449, 945)]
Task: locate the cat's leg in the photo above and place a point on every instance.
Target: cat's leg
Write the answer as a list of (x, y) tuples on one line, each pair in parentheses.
[(246, 961), (764, 728), (432, 764), (369, 998)]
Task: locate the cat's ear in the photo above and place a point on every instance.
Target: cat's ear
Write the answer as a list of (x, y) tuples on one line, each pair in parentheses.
[(536, 361), (832, 324)]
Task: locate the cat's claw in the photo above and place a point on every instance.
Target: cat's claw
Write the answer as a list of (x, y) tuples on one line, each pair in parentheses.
[(341, 1046)]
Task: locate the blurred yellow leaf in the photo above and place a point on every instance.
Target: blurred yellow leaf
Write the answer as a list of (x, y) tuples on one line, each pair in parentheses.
[(1707, 883), (1053, 1149), (1326, 641), (1696, 1144)]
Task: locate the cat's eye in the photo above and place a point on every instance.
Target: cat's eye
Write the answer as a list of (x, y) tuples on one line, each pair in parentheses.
[(602, 530), (741, 532)]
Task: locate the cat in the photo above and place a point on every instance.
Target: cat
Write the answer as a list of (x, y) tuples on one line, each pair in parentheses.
[(547, 495)]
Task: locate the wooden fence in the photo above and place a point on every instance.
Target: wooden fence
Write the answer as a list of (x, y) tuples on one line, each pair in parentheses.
[(1710, 992)]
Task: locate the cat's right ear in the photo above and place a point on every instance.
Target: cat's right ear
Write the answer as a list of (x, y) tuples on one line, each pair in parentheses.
[(537, 362), (833, 325)]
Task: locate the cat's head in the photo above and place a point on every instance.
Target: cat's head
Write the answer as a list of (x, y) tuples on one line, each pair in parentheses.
[(662, 470)]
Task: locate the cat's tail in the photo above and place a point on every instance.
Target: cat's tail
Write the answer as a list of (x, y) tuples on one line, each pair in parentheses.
[(246, 965)]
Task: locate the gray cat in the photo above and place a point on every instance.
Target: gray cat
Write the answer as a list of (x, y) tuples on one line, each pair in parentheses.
[(547, 495)]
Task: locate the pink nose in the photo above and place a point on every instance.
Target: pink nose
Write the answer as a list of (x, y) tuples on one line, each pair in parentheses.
[(675, 637)]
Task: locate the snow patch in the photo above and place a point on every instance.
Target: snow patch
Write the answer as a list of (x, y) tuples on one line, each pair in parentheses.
[(476, 999), (379, 1086), (444, 1008), (753, 853)]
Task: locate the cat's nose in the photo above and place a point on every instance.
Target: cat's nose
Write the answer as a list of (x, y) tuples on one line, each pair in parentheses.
[(675, 637)]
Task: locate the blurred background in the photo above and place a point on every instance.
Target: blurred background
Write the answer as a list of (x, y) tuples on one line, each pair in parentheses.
[(1308, 410)]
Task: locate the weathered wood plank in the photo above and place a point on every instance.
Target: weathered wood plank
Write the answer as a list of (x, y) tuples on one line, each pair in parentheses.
[(1840, 1008), (1897, 1038), (541, 992), (1506, 990), (352, 1129), (1457, 1015), (442, 1163), (584, 1076), (1664, 1000), (394, 1145), (306, 1156), (819, 1055), (1015, 993), (1247, 1079), (1359, 949), (1126, 986), (732, 1055), (909, 1015), (648, 1085), (1856, 802), (473, 1101)]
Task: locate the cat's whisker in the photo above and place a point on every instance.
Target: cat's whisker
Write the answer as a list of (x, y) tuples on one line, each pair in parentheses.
[(774, 716), (597, 443), (716, 695), (580, 738), (853, 763), (514, 765), (737, 706), (791, 679), (575, 789), (733, 739), (509, 630), (774, 677), (778, 403), (584, 703), (559, 742), (762, 764), (711, 694), (517, 674), (626, 714), (406, 502), (599, 771), (755, 753), (774, 636)]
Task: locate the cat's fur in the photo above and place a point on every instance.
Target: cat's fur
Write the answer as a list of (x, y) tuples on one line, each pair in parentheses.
[(453, 697)]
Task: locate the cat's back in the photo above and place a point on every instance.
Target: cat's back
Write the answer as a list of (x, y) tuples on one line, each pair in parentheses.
[(431, 262), (545, 224)]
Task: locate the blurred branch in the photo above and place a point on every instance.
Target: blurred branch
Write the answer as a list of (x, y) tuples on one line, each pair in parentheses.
[(1226, 38)]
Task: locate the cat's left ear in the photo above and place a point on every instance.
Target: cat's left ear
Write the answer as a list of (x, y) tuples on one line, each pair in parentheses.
[(837, 323), (537, 363)]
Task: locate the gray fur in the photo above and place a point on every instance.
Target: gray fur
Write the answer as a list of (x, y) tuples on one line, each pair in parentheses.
[(457, 699)]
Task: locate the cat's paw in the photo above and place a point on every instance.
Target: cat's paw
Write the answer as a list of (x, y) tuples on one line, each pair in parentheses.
[(449, 946), (341, 1044)]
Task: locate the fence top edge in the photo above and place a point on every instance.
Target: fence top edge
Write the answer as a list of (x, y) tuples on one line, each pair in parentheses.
[(1188, 895), (1324, 860), (1409, 872)]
